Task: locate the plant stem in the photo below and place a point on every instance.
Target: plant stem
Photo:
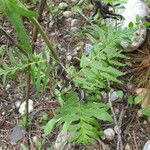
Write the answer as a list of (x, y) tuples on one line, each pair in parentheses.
[(35, 31), (45, 37), (27, 95), (34, 37)]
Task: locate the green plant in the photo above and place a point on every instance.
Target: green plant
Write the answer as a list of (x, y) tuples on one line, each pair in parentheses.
[(138, 100), (99, 65), (80, 118), (24, 58), (39, 143), (97, 70), (134, 100), (146, 111)]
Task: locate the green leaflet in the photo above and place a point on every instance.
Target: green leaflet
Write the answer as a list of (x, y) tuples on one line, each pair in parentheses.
[(49, 126), (15, 6), (146, 111), (7, 70), (80, 118), (14, 11)]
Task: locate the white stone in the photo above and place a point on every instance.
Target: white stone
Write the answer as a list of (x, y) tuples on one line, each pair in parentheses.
[(147, 145), (23, 107), (134, 8), (3, 113), (74, 22), (67, 14), (35, 139), (78, 48), (69, 57), (130, 9), (8, 87), (109, 134), (62, 5), (17, 104), (144, 122)]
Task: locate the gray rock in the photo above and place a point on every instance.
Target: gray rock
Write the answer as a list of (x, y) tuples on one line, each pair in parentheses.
[(113, 95), (17, 134), (74, 22), (67, 14), (62, 5)]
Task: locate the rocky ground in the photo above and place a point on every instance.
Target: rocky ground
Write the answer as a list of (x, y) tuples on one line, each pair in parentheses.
[(63, 30)]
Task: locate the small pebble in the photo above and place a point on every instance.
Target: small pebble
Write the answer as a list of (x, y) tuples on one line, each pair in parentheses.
[(67, 14), (77, 49), (145, 122), (69, 57), (8, 86), (3, 113), (74, 22), (62, 6), (35, 139), (17, 104), (51, 24), (46, 98), (109, 134)]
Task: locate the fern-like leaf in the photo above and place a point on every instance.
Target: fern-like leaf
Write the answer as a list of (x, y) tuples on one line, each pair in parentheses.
[(82, 118), (99, 65)]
